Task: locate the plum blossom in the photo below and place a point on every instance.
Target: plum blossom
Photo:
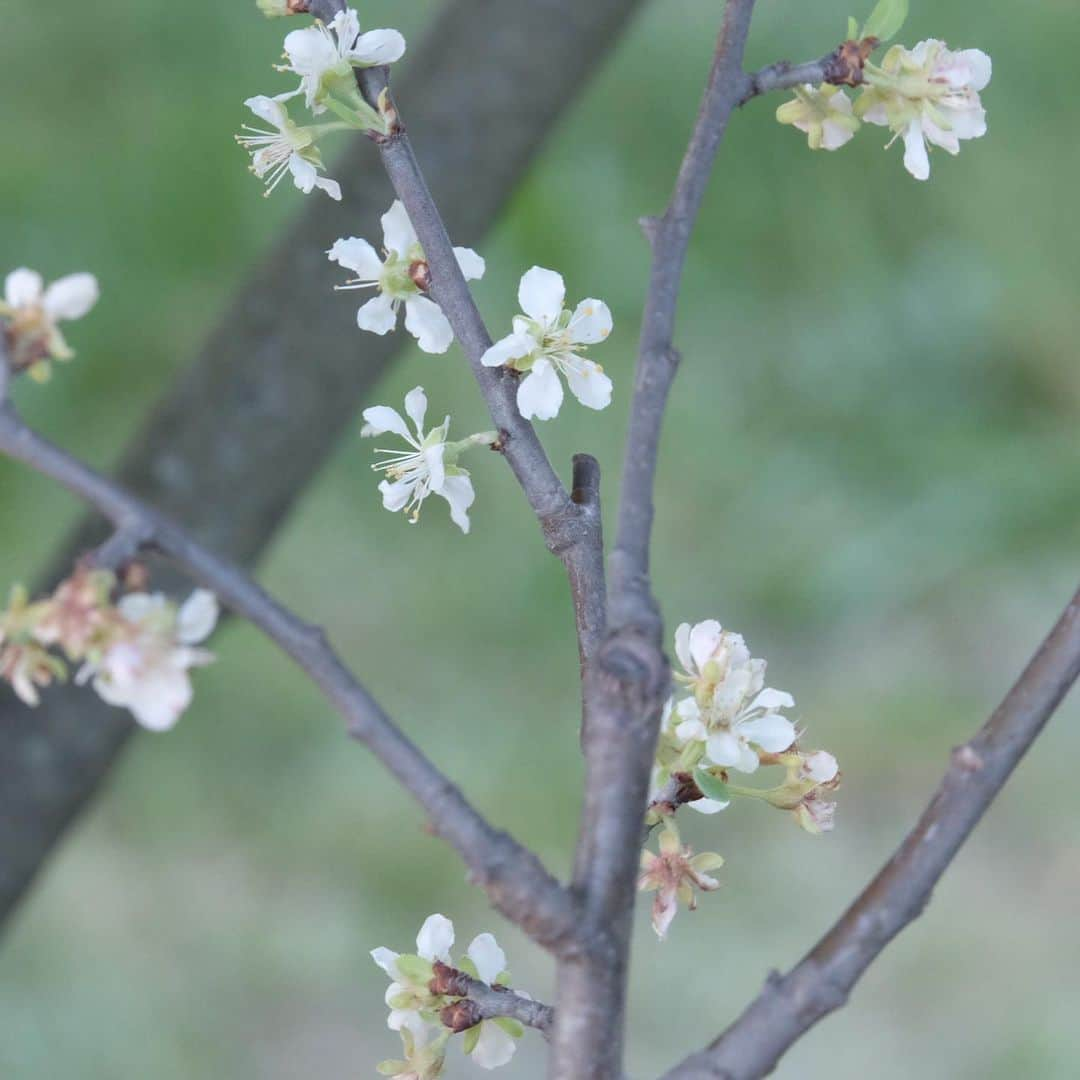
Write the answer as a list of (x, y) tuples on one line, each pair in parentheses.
[(145, 665), (324, 57), (825, 114), (927, 94), (549, 340), (408, 996), (401, 277), (24, 663), (674, 874), (288, 149), (429, 466), (732, 711), (34, 312)]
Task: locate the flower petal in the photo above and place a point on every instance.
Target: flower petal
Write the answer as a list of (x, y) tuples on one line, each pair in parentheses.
[(397, 495), (416, 406), (377, 315), (589, 384), (494, 1048), (458, 492), (22, 287), (71, 297), (723, 748), (708, 806), (387, 960), (303, 173), (269, 109), (980, 66), (377, 47), (358, 256), (704, 641), (381, 418), (472, 265), (489, 959), (682, 647), (541, 294), (772, 732), (426, 322), (398, 233), (540, 394), (197, 617), (591, 322), (773, 699), (916, 159), (512, 347), (436, 938)]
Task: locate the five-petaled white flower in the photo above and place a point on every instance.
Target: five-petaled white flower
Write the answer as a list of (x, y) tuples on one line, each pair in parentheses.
[(35, 312), (927, 94), (732, 711), (428, 467), (145, 666), (401, 278), (321, 57), (289, 149), (548, 340), (825, 114)]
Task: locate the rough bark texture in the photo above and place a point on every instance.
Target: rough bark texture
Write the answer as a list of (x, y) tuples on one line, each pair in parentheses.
[(231, 446)]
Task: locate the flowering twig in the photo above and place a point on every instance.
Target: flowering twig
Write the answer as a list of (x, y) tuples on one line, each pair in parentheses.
[(571, 530), (629, 681), (513, 877), (789, 1005), (484, 1002)]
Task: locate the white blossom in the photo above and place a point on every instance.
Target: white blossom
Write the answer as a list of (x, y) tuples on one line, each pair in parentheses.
[(288, 149), (927, 94), (731, 711), (825, 114), (400, 277), (433, 943), (35, 311), (429, 465), (547, 341), (145, 666), (321, 54)]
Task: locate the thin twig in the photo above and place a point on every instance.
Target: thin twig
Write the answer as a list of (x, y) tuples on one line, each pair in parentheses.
[(483, 1002), (629, 680), (789, 1005), (515, 880)]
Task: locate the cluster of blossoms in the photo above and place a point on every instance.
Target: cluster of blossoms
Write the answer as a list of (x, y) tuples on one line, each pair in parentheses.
[(929, 94), (136, 651), (548, 341), (31, 314), (726, 720), (424, 996)]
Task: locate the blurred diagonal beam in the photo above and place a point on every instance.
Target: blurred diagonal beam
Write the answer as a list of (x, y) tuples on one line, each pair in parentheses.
[(820, 983), (233, 444)]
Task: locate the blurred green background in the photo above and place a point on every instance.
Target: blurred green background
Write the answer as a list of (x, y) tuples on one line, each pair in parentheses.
[(870, 468)]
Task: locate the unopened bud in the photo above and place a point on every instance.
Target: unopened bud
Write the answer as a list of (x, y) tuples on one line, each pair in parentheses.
[(274, 9), (420, 273), (460, 1016)]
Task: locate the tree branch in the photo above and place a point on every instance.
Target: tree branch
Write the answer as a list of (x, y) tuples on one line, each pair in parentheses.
[(230, 446), (514, 879), (791, 1004), (485, 1002), (628, 681)]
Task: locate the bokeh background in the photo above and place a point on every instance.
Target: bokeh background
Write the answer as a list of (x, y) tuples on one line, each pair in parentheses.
[(870, 468)]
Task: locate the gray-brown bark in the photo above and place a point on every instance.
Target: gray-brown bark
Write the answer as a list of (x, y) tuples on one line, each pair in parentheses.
[(231, 446)]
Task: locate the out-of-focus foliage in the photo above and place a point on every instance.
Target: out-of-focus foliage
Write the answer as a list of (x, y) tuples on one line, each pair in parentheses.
[(870, 469)]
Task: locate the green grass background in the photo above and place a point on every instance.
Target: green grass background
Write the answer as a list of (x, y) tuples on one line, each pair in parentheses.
[(870, 468)]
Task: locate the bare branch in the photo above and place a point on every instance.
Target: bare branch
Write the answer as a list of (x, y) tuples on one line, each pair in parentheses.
[(485, 1002), (516, 882), (657, 360), (629, 679), (842, 67), (791, 1004)]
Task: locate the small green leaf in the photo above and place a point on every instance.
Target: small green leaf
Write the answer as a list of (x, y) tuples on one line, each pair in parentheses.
[(415, 969), (472, 1037), (391, 1067), (852, 28), (886, 19), (712, 787), (510, 1026)]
